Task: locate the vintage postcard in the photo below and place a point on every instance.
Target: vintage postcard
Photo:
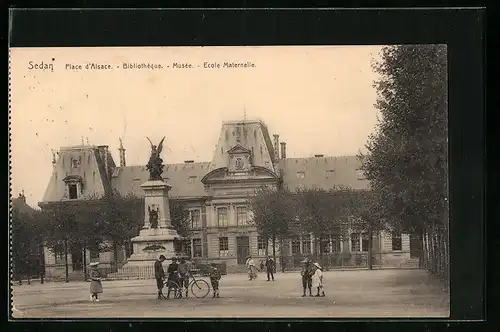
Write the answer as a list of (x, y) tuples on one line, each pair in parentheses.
[(297, 181)]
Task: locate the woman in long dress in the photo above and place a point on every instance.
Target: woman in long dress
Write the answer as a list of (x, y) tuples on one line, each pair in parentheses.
[(252, 269), (317, 280), (95, 282)]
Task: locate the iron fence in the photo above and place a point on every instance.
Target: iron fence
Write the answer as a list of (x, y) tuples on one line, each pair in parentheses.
[(400, 259), (120, 271)]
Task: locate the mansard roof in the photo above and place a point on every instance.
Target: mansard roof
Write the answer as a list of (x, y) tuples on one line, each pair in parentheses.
[(93, 162), (322, 172), (251, 135), (185, 179)]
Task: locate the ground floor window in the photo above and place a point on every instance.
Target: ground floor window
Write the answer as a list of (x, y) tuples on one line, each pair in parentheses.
[(355, 242), (306, 244), (186, 246), (295, 246), (397, 243), (223, 246), (94, 254), (197, 249), (261, 245), (365, 242), (336, 244), (324, 245)]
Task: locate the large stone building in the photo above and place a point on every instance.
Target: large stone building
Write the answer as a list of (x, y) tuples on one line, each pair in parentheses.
[(216, 192)]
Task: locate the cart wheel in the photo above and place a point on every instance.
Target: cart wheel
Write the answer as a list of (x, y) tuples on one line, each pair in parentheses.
[(200, 288)]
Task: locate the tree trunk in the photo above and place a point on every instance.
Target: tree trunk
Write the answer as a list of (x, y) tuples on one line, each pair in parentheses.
[(370, 247), (274, 251), (421, 256), (42, 262), (282, 260), (85, 262), (115, 256), (66, 259)]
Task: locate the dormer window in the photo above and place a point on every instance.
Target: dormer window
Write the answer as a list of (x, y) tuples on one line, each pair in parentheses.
[(192, 179), (301, 175), (330, 174), (73, 191), (74, 186)]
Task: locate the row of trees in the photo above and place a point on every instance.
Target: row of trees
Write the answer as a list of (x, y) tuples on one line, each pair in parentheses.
[(281, 215), (97, 224), (406, 165), (406, 161)]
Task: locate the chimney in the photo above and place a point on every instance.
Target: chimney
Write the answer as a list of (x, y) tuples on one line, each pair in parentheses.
[(122, 154), (22, 197), (283, 150), (106, 160), (188, 161), (276, 147)]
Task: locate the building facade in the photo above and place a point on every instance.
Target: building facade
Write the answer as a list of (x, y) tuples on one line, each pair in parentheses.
[(216, 193)]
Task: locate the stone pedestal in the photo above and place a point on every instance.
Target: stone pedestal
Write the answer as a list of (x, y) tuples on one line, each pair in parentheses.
[(153, 242)]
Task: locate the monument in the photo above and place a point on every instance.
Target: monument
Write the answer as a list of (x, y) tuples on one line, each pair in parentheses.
[(157, 235)]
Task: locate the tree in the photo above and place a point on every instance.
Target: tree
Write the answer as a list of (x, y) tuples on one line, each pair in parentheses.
[(26, 240), (64, 229), (321, 213), (406, 161), (181, 222), (367, 212), (122, 217), (273, 214)]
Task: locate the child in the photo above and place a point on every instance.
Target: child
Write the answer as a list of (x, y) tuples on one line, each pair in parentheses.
[(317, 280), (183, 276), (95, 283), (214, 279)]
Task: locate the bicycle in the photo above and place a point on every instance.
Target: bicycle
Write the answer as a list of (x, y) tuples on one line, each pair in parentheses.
[(172, 285), (199, 287)]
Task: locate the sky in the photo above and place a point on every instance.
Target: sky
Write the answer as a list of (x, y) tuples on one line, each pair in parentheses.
[(320, 100)]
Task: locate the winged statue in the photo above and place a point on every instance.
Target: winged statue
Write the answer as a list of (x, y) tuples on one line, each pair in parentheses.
[(155, 164)]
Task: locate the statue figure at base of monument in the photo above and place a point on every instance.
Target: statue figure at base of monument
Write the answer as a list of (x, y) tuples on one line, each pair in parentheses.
[(155, 163), (153, 217)]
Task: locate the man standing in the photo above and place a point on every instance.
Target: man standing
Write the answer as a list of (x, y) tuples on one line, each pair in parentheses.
[(306, 274), (270, 268), (160, 275)]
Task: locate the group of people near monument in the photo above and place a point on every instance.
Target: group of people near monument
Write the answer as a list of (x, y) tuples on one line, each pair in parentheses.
[(178, 272)]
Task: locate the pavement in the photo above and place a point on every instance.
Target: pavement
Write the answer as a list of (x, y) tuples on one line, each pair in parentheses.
[(349, 294)]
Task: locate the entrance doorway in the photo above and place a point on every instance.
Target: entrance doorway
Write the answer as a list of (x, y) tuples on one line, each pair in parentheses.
[(415, 246), (77, 258), (242, 249)]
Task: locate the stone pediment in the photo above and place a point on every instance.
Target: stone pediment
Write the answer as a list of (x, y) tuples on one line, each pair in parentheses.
[(238, 149), (73, 178), (254, 173)]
